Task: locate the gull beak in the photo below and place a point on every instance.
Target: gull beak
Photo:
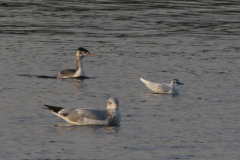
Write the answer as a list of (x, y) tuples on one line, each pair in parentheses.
[(180, 83)]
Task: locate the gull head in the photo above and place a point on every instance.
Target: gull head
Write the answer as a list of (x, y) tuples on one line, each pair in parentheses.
[(113, 103), (176, 82)]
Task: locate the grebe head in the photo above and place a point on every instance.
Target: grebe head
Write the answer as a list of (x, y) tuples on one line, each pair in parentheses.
[(83, 52)]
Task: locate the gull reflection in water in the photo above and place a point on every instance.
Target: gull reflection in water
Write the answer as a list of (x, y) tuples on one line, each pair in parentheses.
[(67, 127)]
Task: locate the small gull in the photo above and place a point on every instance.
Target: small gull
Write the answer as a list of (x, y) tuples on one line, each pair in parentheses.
[(78, 72), (171, 88), (110, 116)]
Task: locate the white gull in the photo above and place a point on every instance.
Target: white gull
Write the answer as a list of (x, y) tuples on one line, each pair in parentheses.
[(78, 72), (171, 88), (110, 116)]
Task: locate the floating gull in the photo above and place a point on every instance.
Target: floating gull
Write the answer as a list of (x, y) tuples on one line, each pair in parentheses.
[(171, 88), (78, 72), (110, 116)]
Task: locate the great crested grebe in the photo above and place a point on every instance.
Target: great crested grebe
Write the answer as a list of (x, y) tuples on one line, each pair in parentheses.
[(78, 72)]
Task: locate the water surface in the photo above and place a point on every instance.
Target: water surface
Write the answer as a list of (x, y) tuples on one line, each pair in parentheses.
[(194, 41)]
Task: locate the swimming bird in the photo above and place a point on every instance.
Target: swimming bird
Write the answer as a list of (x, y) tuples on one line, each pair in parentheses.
[(78, 72), (171, 88), (110, 116)]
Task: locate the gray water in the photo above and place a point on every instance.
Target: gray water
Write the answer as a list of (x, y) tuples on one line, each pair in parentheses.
[(194, 41)]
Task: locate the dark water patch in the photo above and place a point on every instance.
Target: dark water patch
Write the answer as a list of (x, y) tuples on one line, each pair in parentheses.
[(34, 31), (80, 77), (54, 77), (41, 76)]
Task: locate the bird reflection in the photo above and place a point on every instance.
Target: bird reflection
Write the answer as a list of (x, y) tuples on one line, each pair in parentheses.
[(77, 83), (153, 94), (67, 127), (112, 129)]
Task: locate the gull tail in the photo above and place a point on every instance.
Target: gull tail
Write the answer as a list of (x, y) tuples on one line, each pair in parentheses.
[(147, 83), (58, 111), (151, 85), (53, 108)]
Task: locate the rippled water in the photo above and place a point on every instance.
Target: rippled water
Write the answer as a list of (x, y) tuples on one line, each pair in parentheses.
[(194, 41)]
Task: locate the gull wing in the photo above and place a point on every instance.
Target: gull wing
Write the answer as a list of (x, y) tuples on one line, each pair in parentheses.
[(94, 114), (156, 87)]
